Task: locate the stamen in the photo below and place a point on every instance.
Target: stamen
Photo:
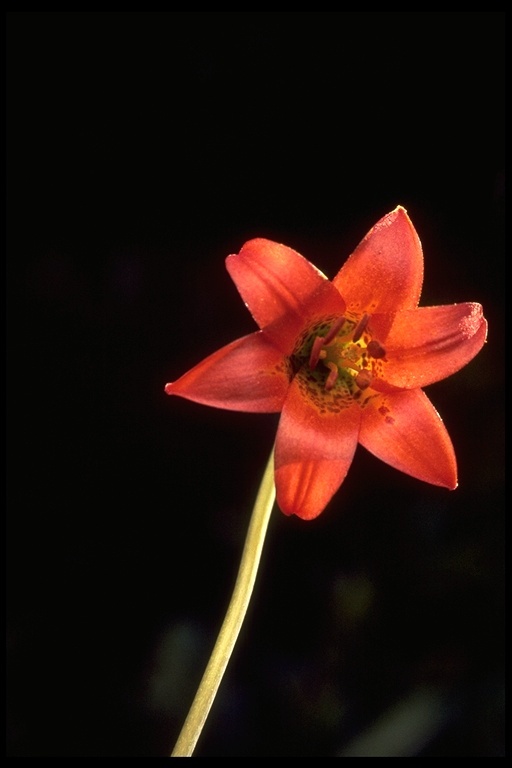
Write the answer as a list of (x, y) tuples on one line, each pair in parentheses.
[(333, 375), (315, 352), (363, 379), (358, 330), (375, 349), (335, 327)]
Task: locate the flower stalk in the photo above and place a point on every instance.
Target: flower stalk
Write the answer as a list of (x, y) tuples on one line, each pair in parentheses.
[(234, 618)]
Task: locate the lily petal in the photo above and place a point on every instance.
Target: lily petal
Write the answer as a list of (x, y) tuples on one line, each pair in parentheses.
[(277, 284), (385, 272), (404, 430), (249, 374), (313, 452), (428, 344)]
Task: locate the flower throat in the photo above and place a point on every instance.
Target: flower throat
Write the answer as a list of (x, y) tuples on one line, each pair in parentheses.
[(340, 351)]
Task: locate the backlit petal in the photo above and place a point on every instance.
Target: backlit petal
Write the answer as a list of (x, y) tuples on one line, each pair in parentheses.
[(385, 272), (313, 452), (249, 374), (277, 285), (429, 343), (405, 430)]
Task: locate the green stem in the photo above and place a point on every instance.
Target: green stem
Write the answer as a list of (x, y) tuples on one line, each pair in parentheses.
[(233, 620)]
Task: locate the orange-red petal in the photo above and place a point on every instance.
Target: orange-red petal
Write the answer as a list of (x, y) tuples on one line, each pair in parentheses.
[(428, 344), (249, 374), (278, 285), (313, 452), (385, 272), (404, 430)]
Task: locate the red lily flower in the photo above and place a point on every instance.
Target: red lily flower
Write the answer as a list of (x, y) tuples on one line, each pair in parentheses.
[(344, 362)]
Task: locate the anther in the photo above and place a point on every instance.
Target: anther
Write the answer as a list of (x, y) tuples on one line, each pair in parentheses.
[(316, 349), (358, 330), (363, 379), (375, 349), (333, 375), (335, 327)]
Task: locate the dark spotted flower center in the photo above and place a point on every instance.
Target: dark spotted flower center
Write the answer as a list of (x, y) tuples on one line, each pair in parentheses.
[(340, 353)]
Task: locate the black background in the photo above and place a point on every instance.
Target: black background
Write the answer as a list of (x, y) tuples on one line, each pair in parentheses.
[(142, 148)]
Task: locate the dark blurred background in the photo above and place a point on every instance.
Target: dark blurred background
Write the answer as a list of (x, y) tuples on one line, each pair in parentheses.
[(143, 148)]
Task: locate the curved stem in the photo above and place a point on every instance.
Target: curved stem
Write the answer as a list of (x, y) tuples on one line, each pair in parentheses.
[(233, 620)]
